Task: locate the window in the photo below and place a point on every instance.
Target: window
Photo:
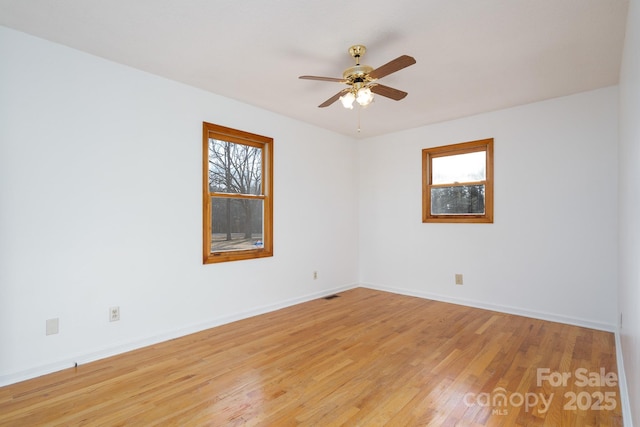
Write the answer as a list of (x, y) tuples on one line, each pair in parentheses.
[(237, 195), (457, 182)]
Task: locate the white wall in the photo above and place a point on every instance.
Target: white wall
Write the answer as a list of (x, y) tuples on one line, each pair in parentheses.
[(100, 205), (629, 198), (551, 251)]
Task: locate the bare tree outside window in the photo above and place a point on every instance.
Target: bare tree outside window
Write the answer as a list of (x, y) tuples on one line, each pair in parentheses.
[(235, 169), (236, 197)]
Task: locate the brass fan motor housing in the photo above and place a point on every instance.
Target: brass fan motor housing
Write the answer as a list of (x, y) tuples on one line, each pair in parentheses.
[(357, 73)]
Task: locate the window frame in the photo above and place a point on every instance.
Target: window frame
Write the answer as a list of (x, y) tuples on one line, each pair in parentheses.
[(428, 154), (210, 130)]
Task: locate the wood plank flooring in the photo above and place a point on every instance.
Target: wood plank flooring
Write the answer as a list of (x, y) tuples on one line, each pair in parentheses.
[(366, 358)]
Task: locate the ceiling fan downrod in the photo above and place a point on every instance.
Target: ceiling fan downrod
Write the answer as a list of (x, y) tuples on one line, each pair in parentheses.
[(357, 51)]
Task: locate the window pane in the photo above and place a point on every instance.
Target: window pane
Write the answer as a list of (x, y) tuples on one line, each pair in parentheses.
[(467, 167), (236, 224), (234, 168), (458, 200)]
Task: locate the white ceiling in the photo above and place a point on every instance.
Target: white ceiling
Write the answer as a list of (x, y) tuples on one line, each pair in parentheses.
[(472, 56)]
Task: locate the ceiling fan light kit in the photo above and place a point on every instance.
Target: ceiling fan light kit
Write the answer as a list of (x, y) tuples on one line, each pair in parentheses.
[(362, 96), (361, 80)]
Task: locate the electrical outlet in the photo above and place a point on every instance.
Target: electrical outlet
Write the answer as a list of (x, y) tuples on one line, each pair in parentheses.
[(459, 279), (52, 326), (315, 275), (114, 314)]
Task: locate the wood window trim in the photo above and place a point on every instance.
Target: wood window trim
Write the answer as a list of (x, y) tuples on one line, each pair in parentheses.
[(239, 137), (447, 150)]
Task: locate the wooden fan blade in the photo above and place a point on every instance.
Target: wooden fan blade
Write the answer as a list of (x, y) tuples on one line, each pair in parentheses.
[(392, 66), (388, 92), (331, 100), (324, 79)]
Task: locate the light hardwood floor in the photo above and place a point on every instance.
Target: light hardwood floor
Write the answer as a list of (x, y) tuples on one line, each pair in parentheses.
[(365, 358)]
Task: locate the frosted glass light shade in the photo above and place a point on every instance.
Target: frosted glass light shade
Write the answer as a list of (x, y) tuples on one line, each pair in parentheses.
[(365, 96), (347, 100)]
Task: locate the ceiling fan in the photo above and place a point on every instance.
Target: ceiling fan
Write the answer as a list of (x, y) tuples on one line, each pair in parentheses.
[(361, 80)]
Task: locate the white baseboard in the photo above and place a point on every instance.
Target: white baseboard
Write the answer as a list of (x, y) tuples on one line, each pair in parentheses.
[(627, 420), (500, 308), (176, 333)]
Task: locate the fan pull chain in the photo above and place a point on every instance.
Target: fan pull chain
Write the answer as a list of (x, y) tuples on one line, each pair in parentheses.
[(359, 108)]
